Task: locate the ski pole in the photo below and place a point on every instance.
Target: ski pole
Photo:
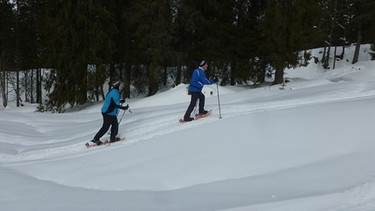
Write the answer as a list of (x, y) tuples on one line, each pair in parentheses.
[(123, 113), (218, 99)]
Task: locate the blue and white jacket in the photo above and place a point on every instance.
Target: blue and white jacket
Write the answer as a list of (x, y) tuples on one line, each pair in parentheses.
[(112, 103), (198, 80)]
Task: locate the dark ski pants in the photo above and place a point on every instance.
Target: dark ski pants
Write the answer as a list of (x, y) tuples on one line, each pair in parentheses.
[(194, 97), (108, 121)]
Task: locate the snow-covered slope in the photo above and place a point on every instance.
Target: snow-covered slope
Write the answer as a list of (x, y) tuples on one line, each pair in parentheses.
[(310, 146)]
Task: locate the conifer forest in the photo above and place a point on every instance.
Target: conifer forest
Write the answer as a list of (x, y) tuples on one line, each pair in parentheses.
[(61, 53)]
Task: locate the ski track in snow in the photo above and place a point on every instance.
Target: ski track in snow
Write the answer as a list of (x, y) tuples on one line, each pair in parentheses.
[(144, 123)]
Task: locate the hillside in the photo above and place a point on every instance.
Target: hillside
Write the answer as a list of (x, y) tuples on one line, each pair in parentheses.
[(309, 146)]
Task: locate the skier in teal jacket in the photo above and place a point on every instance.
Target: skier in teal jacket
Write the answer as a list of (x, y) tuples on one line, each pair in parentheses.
[(198, 80), (109, 111)]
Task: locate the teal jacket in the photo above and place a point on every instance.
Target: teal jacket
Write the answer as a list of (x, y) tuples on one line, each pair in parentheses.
[(112, 103)]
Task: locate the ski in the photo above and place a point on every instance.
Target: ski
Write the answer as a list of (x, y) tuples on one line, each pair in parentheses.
[(106, 142), (198, 116)]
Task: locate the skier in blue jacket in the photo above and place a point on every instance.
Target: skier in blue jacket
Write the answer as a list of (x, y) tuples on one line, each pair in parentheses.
[(109, 111), (198, 80)]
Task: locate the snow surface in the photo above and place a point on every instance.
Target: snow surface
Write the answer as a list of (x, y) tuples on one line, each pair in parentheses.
[(310, 146)]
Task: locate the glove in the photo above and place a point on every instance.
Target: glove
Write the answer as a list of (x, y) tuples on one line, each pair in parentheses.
[(126, 107), (216, 80), (122, 101)]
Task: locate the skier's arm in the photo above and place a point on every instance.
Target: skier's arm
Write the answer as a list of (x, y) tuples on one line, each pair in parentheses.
[(204, 80), (118, 105)]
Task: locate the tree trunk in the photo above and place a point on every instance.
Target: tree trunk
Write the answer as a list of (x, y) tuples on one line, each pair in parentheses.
[(153, 76), (3, 81), (358, 45), (32, 87), (18, 88), (26, 85), (324, 55), (128, 77), (334, 58), (232, 73), (279, 76), (39, 86), (178, 75), (326, 61)]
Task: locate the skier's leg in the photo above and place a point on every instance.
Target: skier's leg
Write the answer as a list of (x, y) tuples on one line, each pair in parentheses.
[(114, 128), (201, 102), (104, 128), (193, 101)]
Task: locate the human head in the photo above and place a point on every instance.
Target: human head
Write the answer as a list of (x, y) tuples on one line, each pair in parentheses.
[(203, 64), (117, 85)]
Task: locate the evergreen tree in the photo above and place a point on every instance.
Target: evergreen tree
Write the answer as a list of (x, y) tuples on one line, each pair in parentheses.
[(337, 17), (30, 17), (218, 36), (363, 24), (150, 23), (124, 50), (330, 22), (341, 23), (78, 33), (202, 31), (287, 28), (182, 42), (246, 55), (7, 48), (29, 12)]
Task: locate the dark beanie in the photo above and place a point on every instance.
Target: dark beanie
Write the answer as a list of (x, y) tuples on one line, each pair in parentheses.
[(116, 84), (202, 63)]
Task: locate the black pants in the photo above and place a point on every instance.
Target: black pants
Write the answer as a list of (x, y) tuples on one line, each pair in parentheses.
[(108, 121), (194, 97)]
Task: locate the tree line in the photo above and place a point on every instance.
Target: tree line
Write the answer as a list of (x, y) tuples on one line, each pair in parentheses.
[(148, 44)]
